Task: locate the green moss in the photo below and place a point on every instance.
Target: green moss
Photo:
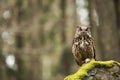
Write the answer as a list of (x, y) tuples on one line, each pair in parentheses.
[(82, 72)]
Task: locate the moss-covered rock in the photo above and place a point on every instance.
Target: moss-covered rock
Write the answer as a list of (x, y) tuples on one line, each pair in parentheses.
[(97, 70)]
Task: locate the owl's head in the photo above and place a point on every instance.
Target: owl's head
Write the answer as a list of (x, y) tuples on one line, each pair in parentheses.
[(83, 31)]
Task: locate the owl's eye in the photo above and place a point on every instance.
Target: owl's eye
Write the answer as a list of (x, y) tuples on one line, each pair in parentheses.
[(87, 29)]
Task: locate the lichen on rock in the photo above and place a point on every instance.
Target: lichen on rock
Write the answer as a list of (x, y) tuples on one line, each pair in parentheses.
[(97, 70)]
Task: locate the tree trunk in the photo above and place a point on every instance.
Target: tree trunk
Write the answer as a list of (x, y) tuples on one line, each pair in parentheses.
[(107, 30), (94, 29), (22, 71), (3, 67)]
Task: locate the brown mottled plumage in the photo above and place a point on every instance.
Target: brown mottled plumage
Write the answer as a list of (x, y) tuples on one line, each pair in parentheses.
[(83, 45)]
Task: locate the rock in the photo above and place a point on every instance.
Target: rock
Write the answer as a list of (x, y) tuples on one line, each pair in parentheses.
[(97, 70)]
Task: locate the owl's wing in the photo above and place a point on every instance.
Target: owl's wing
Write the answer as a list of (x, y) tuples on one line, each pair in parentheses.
[(93, 49), (78, 63), (77, 55), (78, 59), (94, 55)]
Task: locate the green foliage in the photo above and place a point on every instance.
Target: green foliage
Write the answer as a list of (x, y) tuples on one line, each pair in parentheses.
[(82, 72)]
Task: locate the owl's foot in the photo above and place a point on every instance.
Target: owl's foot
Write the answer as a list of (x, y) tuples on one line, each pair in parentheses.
[(87, 60)]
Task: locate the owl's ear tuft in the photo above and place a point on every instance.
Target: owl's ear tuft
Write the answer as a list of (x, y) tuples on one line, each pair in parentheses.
[(80, 28), (86, 29)]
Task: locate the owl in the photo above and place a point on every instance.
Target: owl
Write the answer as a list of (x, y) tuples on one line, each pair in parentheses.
[(83, 45)]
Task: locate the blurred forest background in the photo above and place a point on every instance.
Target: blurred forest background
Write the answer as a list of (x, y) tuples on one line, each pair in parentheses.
[(36, 35)]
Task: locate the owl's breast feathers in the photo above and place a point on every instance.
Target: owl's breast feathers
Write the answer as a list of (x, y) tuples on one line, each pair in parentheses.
[(83, 49)]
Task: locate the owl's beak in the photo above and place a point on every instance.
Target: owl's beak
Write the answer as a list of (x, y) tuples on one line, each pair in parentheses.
[(82, 39), (82, 45)]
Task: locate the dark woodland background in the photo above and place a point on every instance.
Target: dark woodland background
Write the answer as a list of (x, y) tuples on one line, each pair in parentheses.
[(36, 36)]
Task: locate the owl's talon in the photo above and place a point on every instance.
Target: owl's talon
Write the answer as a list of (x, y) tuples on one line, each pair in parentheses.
[(87, 60)]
